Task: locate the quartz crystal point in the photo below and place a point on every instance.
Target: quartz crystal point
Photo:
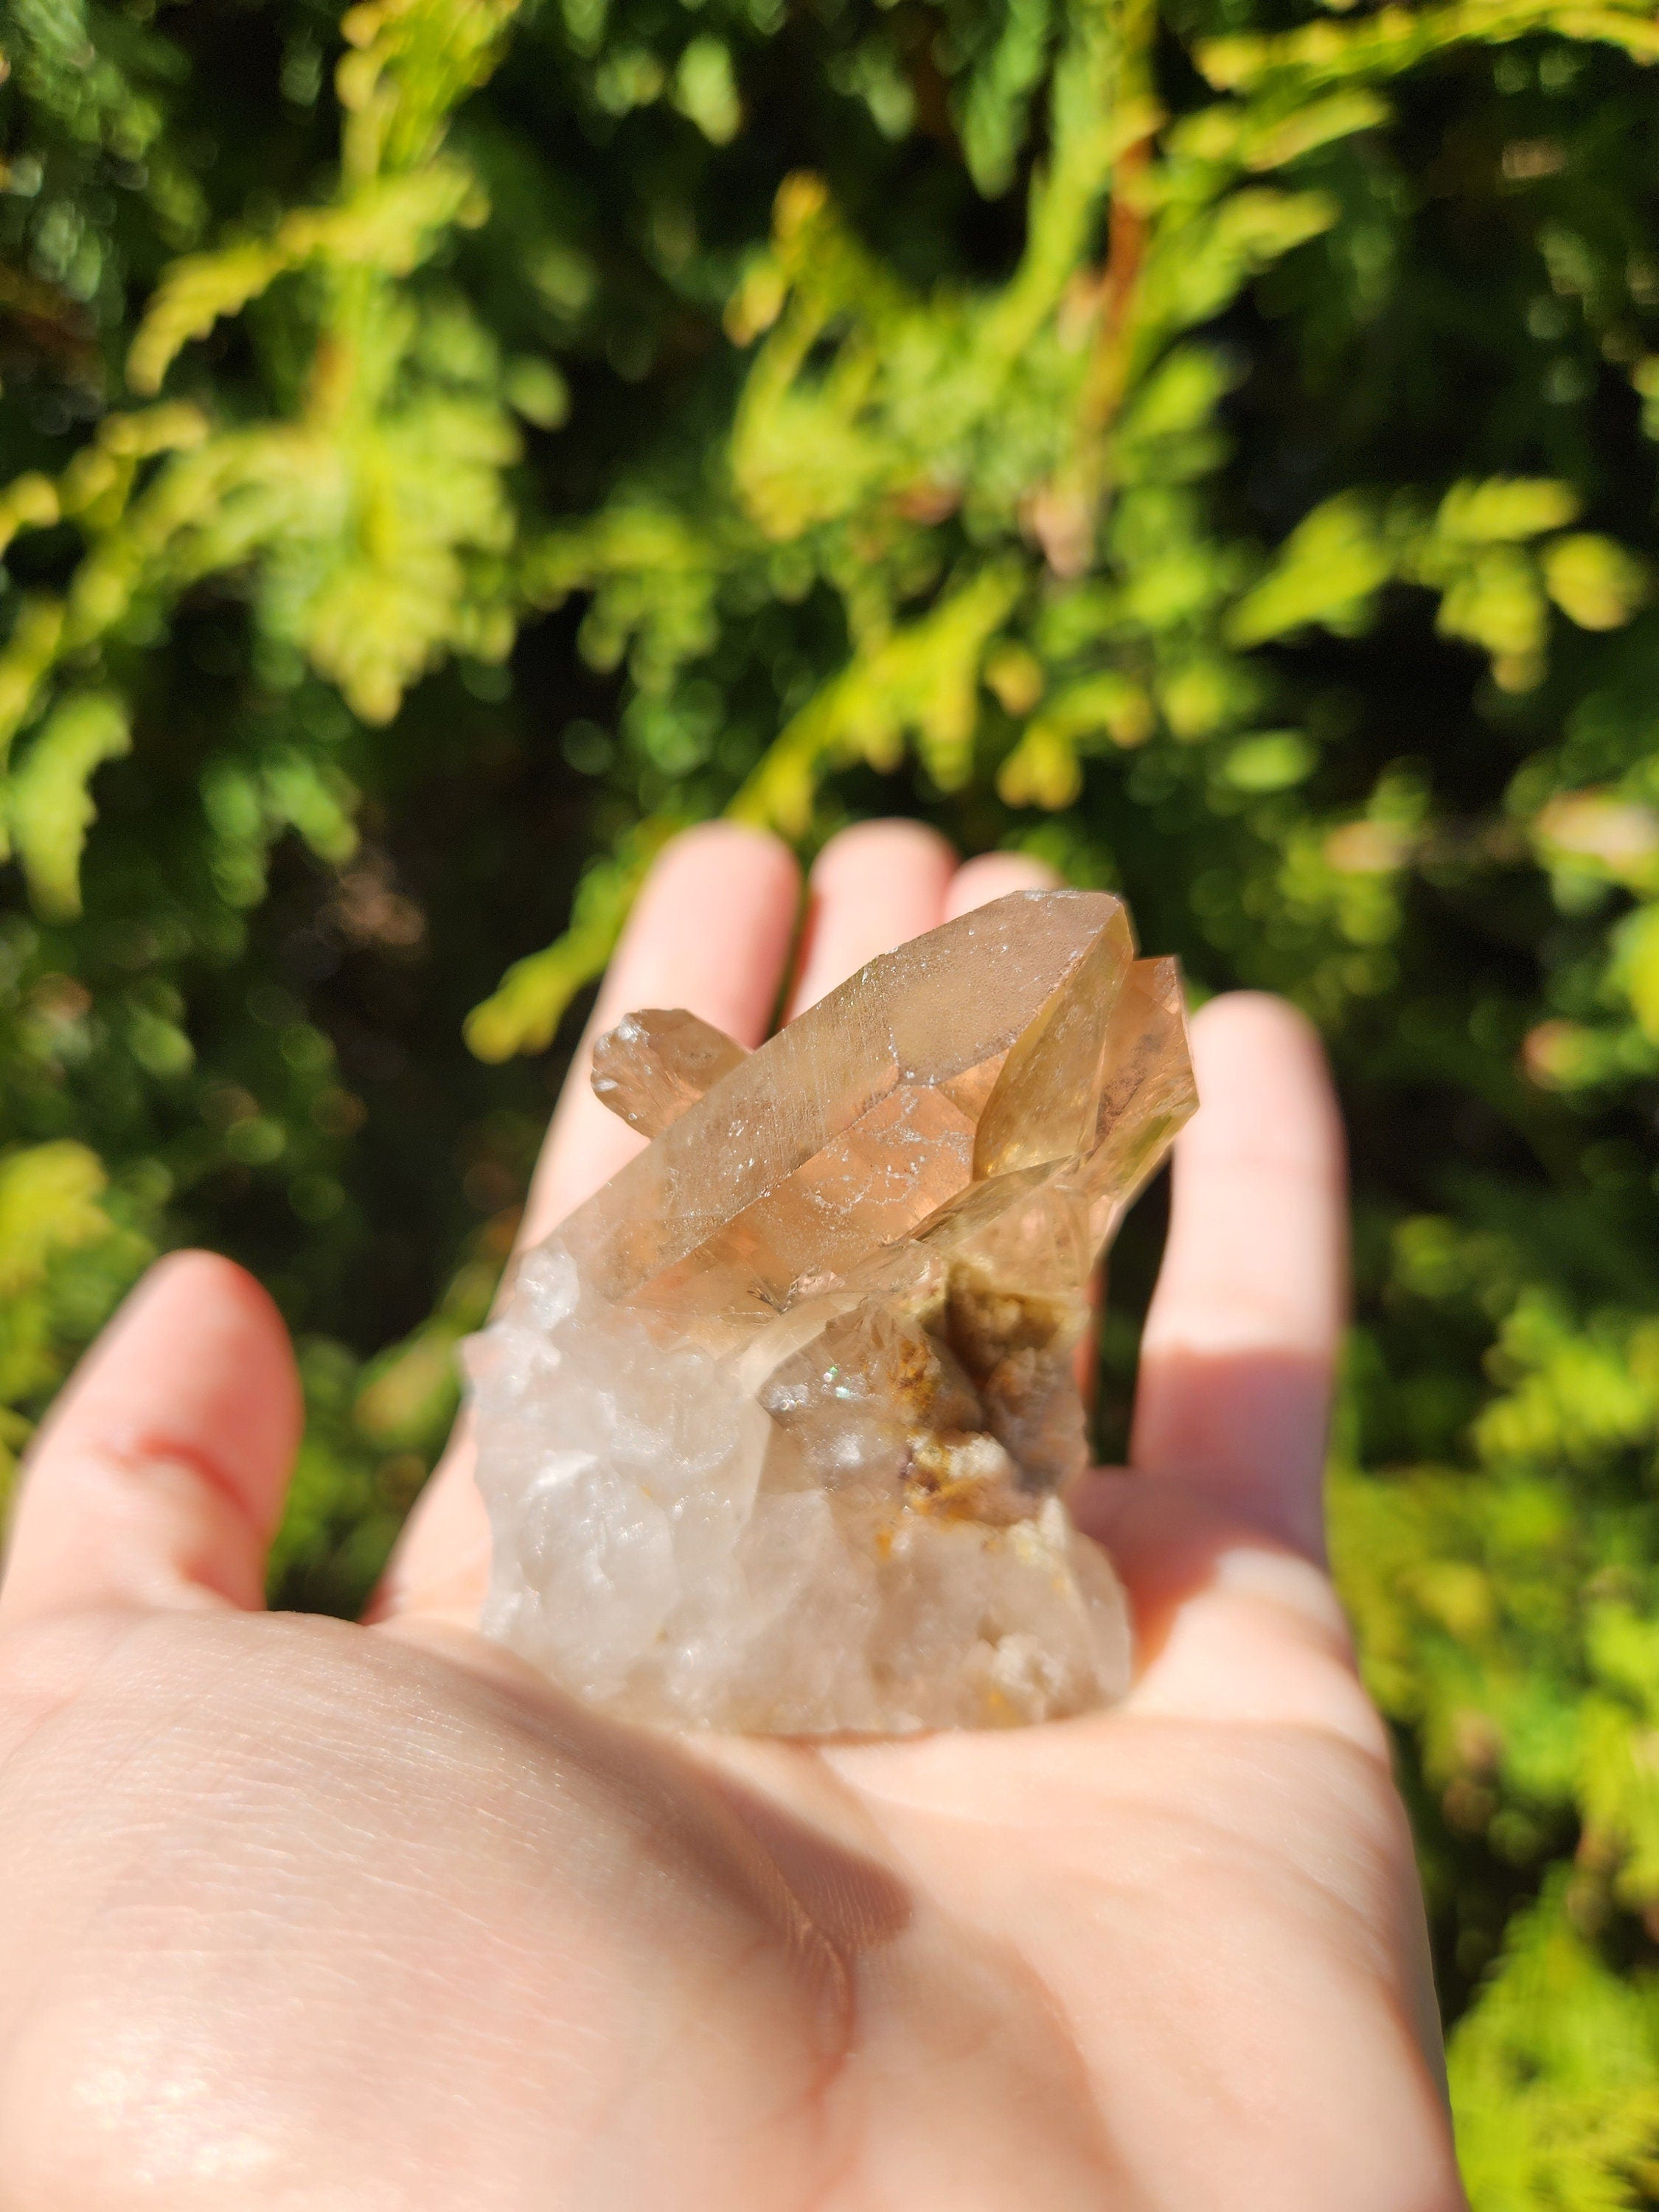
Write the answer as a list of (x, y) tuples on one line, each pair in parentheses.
[(653, 1065), (772, 1430)]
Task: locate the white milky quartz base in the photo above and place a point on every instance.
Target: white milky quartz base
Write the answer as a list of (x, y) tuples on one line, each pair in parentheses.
[(771, 1432), (643, 1563)]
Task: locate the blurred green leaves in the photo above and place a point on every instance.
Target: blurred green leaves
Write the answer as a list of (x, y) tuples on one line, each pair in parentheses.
[(49, 1207), (49, 805)]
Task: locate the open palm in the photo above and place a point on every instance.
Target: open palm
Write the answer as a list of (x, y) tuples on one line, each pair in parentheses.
[(300, 1914)]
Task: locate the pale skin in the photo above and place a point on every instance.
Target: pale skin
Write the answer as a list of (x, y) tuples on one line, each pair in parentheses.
[(305, 1914)]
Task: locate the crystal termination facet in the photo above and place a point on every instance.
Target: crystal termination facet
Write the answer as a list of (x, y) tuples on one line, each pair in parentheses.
[(772, 1431)]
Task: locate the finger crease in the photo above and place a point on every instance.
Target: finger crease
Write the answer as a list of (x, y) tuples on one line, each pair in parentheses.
[(148, 1453)]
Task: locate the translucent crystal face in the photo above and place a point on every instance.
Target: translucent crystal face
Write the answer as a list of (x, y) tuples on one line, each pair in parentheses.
[(772, 1429)]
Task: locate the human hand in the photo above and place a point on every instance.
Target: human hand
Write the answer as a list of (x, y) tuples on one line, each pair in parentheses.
[(298, 1914)]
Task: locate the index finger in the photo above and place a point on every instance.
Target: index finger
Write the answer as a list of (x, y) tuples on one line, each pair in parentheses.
[(711, 932)]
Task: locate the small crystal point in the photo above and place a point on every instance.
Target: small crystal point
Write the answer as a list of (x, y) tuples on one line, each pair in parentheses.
[(772, 1430), (656, 1063)]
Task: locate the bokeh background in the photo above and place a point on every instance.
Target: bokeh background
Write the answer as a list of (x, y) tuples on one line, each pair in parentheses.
[(447, 444)]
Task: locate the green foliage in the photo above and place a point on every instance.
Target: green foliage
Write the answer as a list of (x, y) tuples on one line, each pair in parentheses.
[(447, 444), (51, 808), (1556, 2076), (48, 1206)]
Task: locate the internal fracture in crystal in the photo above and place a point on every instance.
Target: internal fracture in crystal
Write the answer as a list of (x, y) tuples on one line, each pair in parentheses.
[(774, 1431)]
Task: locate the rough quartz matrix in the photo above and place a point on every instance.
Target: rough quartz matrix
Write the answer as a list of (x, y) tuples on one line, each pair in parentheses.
[(772, 1431)]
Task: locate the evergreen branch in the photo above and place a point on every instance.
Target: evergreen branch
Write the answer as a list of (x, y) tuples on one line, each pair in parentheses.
[(391, 224), (1396, 39), (923, 678)]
